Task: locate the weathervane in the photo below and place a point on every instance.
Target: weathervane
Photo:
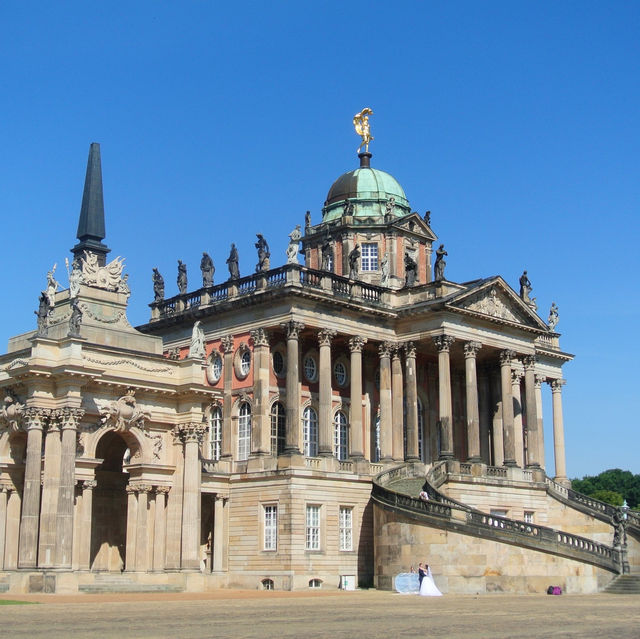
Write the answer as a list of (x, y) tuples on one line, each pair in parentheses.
[(361, 123)]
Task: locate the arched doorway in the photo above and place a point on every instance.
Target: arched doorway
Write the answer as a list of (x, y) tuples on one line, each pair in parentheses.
[(109, 509)]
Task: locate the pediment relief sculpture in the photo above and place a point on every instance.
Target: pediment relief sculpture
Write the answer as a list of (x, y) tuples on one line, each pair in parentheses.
[(124, 413), (490, 302)]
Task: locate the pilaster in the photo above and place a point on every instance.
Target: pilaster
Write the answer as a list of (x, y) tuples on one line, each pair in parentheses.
[(261, 428), (226, 346)]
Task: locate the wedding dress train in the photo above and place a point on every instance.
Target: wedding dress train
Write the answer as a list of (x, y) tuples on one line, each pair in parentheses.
[(428, 587)]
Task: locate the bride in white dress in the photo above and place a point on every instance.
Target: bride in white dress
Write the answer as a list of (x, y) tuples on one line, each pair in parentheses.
[(428, 587)]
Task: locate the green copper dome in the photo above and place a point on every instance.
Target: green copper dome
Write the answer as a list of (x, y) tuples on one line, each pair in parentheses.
[(368, 190)]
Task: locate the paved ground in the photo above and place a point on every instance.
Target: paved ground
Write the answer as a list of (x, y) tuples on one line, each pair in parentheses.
[(366, 615)]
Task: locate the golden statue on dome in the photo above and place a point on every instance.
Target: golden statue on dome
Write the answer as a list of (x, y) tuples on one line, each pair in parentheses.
[(361, 123)]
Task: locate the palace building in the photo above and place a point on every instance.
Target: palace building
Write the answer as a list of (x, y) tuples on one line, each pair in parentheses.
[(275, 430)]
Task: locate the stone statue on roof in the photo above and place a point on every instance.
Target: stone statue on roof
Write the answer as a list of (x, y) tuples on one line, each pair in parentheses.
[(208, 269), (233, 263), (438, 267), (158, 286), (361, 124), (553, 316), (354, 262), (263, 254), (52, 286), (182, 277), (294, 245)]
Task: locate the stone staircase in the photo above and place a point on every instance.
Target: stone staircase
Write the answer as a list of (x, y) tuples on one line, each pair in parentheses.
[(624, 585), (408, 486), (120, 582)]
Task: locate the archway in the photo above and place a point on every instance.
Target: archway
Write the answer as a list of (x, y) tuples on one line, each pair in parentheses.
[(109, 510)]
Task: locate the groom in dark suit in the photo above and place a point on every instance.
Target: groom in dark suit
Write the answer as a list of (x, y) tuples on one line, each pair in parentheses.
[(421, 573)]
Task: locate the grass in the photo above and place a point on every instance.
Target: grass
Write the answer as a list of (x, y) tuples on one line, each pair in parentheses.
[(13, 602)]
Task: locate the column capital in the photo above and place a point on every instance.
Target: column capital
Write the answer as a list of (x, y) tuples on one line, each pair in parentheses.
[(226, 343), (162, 490), (516, 376), (529, 361), (130, 489), (506, 357), (143, 488), (356, 344), (539, 380), (385, 349), (443, 342), (35, 417), (68, 417), (192, 431), (395, 351), (260, 337), (409, 349), (292, 329), (89, 484), (556, 384), (471, 349), (325, 336)]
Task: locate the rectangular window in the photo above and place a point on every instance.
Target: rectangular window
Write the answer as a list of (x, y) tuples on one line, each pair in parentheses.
[(313, 528), (215, 434), (369, 257), (270, 527), (528, 516), (346, 528)]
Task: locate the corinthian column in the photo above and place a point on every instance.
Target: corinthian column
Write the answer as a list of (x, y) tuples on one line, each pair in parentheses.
[(355, 440), (533, 453), (325, 444), (558, 429), (226, 345), (84, 542), (518, 430), (473, 412), (443, 344), (292, 410), (507, 408), (50, 489), (386, 441), (412, 402), (160, 529), (397, 404), (34, 418), (193, 433), (132, 528), (142, 550), (261, 431), (69, 419), (540, 420)]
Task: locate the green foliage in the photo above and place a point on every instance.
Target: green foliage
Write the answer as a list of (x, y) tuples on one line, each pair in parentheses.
[(612, 481), (608, 496)]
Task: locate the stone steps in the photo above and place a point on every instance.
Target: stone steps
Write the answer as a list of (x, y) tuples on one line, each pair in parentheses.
[(410, 487), (624, 585), (105, 583)]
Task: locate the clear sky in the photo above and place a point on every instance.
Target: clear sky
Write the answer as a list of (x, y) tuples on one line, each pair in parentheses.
[(515, 123)]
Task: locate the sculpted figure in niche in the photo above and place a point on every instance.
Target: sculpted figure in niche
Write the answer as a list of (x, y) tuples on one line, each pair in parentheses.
[(182, 277), (292, 249), (232, 263), (410, 270), (196, 348), (263, 254), (208, 269), (327, 255), (384, 269), (438, 268), (43, 312), (354, 262), (158, 286), (553, 316), (76, 319)]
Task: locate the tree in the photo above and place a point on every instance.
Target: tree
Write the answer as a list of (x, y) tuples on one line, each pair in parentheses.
[(609, 482)]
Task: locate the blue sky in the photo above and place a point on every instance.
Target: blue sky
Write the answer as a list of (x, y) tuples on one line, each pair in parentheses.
[(515, 123)]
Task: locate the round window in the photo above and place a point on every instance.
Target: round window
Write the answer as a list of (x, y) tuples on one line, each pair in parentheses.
[(340, 373), (310, 368), (214, 369), (245, 362), (278, 363)]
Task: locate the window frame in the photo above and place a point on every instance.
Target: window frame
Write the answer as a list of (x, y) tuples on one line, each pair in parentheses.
[(278, 428), (310, 427), (244, 424), (341, 435), (369, 257), (211, 371), (215, 433), (270, 527), (311, 358), (345, 529), (312, 538)]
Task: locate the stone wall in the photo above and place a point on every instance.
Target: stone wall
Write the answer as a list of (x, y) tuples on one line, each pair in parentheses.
[(463, 564)]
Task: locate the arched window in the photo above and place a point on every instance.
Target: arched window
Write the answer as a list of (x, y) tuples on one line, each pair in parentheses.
[(310, 432), (245, 362), (267, 584), (315, 583), (215, 433), (277, 429), (340, 438), (244, 431)]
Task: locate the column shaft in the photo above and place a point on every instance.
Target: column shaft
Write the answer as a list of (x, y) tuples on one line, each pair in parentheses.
[(540, 421), (507, 408), (132, 527), (533, 440), (473, 410), (496, 423), (397, 405), (50, 489), (518, 429), (386, 415), (356, 439), (292, 409), (411, 383), (325, 424), (174, 507), (191, 498), (484, 407), (218, 533), (12, 530), (84, 541), (160, 529), (30, 519), (227, 375), (261, 428), (443, 344), (558, 429), (3, 523), (141, 529)]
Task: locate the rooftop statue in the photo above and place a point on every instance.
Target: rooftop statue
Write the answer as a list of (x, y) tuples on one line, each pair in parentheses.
[(107, 277), (525, 288), (438, 267), (158, 286), (553, 316), (232, 262), (182, 277), (294, 245), (263, 254), (208, 269), (75, 320), (52, 286), (361, 124), (427, 218), (43, 313), (75, 276), (307, 220)]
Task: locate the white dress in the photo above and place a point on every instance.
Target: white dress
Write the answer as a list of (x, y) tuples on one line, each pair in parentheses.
[(428, 587)]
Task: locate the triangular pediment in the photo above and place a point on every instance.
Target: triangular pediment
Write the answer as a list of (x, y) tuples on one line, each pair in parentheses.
[(414, 223), (496, 300)]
